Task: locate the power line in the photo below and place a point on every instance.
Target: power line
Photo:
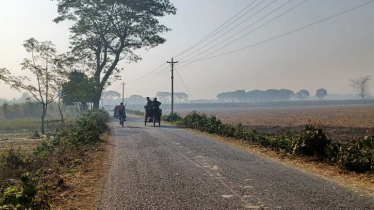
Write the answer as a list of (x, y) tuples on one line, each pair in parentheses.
[(212, 34), (147, 74), (184, 84), (155, 76), (231, 29), (282, 35), (214, 31), (228, 38)]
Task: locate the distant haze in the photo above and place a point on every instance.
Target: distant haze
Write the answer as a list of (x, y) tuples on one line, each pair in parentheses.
[(326, 55)]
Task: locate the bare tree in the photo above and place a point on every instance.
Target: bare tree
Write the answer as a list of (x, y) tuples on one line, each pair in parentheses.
[(361, 86), (44, 65)]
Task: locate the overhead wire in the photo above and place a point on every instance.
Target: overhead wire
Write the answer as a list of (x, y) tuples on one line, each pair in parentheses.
[(213, 33), (155, 75), (262, 9), (228, 38), (146, 75), (160, 73), (184, 84), (281, 35)]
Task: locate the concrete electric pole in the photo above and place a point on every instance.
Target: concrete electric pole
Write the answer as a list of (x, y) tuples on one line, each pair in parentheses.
[(123, 92), (172, 84)]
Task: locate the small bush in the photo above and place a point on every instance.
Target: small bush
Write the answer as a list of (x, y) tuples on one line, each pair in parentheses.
[(355, 158), (173, 117), (312, 142), (27, 196)]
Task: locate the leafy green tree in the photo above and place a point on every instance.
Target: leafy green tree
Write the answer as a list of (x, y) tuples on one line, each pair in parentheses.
[(45, 65), (137, 97), (110, 95), (302, 94), (106, 32), (164, 96), (4, 73), (321, 93), (181, 97), (78, 90)]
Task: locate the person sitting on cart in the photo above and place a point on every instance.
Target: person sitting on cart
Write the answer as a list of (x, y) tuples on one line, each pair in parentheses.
[(156, 104), (121, 111), (149, 104)]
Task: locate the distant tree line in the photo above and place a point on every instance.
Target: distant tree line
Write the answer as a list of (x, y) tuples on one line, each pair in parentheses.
[(165, 97), (268, 95), (31, 109)]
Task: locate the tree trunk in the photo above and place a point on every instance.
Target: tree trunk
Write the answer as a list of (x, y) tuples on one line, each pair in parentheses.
[(96, 100), (96, 103), (59, 108), (43, 116)]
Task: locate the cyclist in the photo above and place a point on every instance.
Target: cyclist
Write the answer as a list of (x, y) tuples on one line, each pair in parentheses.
[(121, 112)]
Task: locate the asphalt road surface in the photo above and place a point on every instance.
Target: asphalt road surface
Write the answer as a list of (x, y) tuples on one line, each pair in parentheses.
[(171, 168)]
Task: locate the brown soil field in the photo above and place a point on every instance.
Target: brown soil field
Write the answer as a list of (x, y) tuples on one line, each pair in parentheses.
[(341, 123), (22, 141)]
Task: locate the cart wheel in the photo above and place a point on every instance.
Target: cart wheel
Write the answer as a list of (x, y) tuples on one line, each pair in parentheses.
[(145, 118)]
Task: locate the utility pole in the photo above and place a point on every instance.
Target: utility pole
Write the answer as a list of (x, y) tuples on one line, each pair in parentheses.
[(172, 84), (123, 92)]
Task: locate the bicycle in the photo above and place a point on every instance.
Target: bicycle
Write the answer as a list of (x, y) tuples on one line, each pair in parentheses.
[(122, 119)]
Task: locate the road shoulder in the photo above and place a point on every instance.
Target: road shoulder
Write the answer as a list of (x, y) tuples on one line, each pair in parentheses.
[(85, 182)]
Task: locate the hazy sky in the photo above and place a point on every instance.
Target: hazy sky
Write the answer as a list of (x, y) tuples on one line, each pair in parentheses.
[(326, 55)]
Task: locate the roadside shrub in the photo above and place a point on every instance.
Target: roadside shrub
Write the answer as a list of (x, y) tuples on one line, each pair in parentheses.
[(86, 129), (354, 157), (13, 159), (173, 117), (358, 155), (312, 142), (13, 163), (26, 196)]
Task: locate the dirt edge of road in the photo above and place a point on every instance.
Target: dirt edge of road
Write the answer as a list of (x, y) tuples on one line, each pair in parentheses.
[(354, 181), (85, 183)]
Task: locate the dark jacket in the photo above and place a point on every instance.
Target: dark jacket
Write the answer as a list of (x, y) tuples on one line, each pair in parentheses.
[(156, 104)]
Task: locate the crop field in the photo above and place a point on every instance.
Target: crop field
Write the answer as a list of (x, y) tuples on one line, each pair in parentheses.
[(340, 123), (22, 141)]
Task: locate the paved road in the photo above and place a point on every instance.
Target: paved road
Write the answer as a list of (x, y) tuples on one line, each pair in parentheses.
[(172, 168)]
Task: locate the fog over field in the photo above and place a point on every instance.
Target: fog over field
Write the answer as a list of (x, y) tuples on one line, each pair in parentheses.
[(326, 55)]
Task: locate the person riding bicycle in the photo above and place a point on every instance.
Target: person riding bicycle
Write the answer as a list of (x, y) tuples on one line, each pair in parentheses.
[(121, 111)]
